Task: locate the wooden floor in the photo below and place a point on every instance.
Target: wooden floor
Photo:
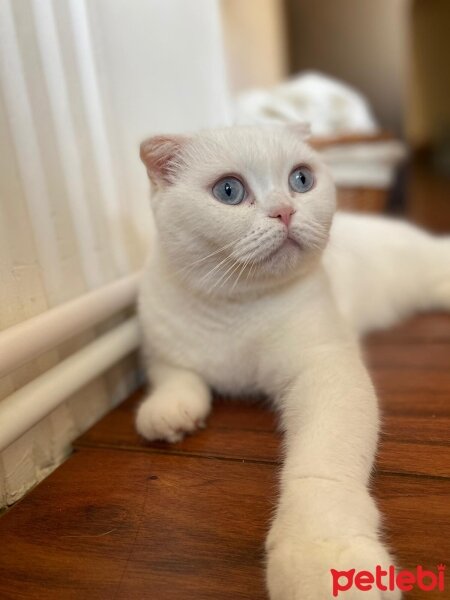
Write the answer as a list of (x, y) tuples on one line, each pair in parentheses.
[(122, 519)]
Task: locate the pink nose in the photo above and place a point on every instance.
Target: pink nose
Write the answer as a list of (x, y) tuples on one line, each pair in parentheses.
[(284, 213)]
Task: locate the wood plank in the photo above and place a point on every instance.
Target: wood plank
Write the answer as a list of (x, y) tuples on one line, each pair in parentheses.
[(434, 403), (413, 459), (130, 525), (419, 356), (406, 380), (235, 430), (421, 430), (433, 327), (417, 445), (417, 521)]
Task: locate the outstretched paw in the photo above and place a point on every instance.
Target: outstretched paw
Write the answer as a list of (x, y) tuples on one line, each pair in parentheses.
[(300, 570)]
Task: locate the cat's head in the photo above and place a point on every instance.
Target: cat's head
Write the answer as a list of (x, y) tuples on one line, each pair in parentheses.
[(239, 207)]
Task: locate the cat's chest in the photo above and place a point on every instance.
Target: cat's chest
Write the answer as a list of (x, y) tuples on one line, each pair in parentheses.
[(218, 342)]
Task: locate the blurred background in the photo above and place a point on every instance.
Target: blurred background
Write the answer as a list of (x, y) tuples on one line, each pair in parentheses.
[(83, 82), (393, 52)]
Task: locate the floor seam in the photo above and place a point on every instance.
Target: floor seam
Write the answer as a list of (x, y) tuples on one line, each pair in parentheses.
[(144, 450), (274, 463)]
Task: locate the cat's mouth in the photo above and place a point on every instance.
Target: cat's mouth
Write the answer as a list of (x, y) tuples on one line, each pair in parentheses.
[(287, 246)]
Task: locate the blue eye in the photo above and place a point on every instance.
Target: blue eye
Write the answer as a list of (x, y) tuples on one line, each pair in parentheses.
[(301, 180), (229, 190)]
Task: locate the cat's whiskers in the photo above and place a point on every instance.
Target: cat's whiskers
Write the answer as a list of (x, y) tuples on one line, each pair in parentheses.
[(249, 259), (237, 265), (249, 272), (185, 271), (234, 266), (253, 253), (231, 268), (216, 251), (214, 269), (258, 242), (244, 265), (188, 269), (311, 234), (203, 258)]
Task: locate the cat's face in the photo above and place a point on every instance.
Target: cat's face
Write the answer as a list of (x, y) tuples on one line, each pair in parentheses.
[(241, 206)]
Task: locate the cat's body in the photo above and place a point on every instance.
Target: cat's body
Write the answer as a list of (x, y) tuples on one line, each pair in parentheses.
[(382, 270), (242, 298), (379, 271)]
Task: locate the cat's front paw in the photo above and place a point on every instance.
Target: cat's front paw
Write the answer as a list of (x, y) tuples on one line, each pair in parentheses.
[(169, 416), (303, 570)]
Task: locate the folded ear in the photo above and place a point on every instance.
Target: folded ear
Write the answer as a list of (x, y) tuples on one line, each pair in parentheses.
[(161, 154)]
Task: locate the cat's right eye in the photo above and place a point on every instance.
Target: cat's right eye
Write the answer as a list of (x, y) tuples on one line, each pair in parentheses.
[(229, 190)]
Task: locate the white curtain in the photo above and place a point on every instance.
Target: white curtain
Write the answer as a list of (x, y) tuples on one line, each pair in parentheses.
[(81, 83)]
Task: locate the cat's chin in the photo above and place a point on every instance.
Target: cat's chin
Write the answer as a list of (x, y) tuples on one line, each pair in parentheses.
[(287, 257)]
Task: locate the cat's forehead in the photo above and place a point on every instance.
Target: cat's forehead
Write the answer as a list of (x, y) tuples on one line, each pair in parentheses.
[(248, 149)]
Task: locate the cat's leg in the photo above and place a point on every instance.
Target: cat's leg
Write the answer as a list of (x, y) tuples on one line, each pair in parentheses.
[(383, 270), (178, 404), (424, 275), (326, 518)]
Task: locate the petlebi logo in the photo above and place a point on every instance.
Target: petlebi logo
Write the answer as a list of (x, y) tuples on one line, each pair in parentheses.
[(383, 580)]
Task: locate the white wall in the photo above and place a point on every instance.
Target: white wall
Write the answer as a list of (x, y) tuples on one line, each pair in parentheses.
[(255, 42), (362, 42), (81, 83)]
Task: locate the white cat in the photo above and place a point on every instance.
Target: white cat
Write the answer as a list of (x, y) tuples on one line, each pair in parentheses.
[(239, 295)]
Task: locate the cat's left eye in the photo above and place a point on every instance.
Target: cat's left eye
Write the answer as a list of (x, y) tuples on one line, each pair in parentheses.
[(301, 180), (229, 190)]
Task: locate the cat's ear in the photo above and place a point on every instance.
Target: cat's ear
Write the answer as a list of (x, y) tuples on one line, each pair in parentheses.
[(161, 154), (302, 129)]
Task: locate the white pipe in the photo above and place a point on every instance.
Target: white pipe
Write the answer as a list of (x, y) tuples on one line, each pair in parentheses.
[(26, 407), (24, 341)]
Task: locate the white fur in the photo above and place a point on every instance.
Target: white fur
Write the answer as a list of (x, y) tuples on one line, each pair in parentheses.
[(281, 317)]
